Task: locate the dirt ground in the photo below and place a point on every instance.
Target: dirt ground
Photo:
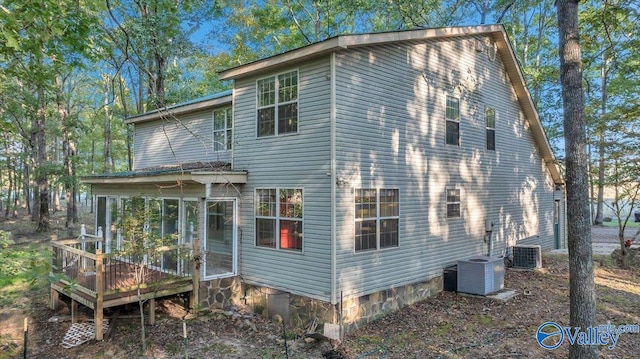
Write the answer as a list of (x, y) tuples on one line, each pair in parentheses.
[(448, 325)]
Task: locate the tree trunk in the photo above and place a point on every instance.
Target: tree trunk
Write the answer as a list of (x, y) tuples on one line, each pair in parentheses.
[(107, 126), (10, 176), (42, 181), (601, 139), (35, 192), (68, 151), (582, 296)]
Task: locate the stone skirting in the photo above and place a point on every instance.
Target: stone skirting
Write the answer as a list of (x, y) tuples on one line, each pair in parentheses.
[(298, 311), (220, 293)]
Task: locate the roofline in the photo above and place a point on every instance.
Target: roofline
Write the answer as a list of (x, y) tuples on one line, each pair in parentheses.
[(341, 42), (183, 108), (526, 101), (202, 177)]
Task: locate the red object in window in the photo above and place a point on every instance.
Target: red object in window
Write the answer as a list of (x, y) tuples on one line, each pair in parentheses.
[(286, 239)]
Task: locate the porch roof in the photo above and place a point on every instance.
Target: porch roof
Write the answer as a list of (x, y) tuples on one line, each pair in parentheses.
[(198, 172)]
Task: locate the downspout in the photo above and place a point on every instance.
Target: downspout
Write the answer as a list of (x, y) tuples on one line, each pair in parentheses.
[(334, 290), (233, 130)]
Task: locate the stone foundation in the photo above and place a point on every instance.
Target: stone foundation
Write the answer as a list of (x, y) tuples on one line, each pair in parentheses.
[(298, 311), (220, 293)]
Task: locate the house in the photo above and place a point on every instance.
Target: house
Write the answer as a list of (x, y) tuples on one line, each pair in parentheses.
[(337, 180)]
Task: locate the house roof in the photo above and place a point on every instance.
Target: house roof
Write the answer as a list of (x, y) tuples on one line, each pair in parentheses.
[(182, 108), (195, 172), (342, 42)]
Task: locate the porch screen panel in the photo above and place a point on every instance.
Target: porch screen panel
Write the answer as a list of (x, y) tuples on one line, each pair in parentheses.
[(191, 222), (170, 233), (218, 251)]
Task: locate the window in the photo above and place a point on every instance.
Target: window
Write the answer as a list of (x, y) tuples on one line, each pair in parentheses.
[(278, 104), (222, 129), (279, 218), (377, 217), (452, 121), (453, 202), (490, 119)]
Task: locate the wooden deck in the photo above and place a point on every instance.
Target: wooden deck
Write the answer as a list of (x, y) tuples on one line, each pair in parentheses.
[(96, 280)]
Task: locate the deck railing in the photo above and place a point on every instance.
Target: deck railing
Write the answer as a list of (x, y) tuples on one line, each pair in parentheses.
[(80, 265)]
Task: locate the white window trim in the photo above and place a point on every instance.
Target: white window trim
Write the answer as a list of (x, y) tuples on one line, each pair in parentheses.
[(447, 120), (446, 202), (203, 238), (378, 220), (486, 143), (224, 131), (276, 104), (277, 218)]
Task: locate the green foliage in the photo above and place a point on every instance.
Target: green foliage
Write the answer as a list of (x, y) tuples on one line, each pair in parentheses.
[(21, 268)]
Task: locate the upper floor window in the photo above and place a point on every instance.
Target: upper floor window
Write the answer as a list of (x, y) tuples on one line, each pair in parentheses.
[(279, 219), (222, 129), (377, 217), (278, 104), (490, 119), (452, 115)]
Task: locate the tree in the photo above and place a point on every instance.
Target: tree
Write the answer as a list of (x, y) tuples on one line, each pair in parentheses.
[(39, 41), (610, 35), (143, 245), (582, 295)]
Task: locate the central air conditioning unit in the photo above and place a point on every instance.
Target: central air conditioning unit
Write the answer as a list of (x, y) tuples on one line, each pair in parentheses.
[(526, 256), (481, 275)]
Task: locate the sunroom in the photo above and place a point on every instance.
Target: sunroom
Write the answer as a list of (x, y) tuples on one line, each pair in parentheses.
[(192, 210), (189, 205)]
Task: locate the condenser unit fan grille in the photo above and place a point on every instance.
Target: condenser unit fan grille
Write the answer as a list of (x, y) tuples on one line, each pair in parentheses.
[(527, 257)]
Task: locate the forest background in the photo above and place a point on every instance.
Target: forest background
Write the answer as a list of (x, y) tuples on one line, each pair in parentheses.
[(72, 71)]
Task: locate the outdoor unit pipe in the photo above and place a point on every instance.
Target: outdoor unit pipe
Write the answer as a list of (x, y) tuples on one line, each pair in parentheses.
[(488, 238)]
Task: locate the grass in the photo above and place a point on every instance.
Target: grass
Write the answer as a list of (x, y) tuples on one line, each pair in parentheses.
[(219, 348), (614, 223), (22, 269)]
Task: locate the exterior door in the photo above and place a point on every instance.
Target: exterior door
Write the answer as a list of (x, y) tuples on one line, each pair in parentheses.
[(219, 252)]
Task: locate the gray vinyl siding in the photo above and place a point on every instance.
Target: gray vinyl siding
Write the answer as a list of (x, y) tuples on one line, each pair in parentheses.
[(300, 160), (391, 134), (169, 140)]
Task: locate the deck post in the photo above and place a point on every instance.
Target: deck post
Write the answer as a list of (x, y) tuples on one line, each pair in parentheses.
[(97, 312), (74, 311), (194, 299), (152, 311), (53, 304)]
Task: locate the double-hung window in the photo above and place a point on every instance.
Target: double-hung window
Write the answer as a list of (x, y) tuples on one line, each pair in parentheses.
[(452, 115), (490, 120), (376, 218), (278, 104), (453, 202), (279, 218), (222, 129)]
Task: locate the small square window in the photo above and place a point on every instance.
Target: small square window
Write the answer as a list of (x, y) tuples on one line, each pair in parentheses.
[(453, 202)]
